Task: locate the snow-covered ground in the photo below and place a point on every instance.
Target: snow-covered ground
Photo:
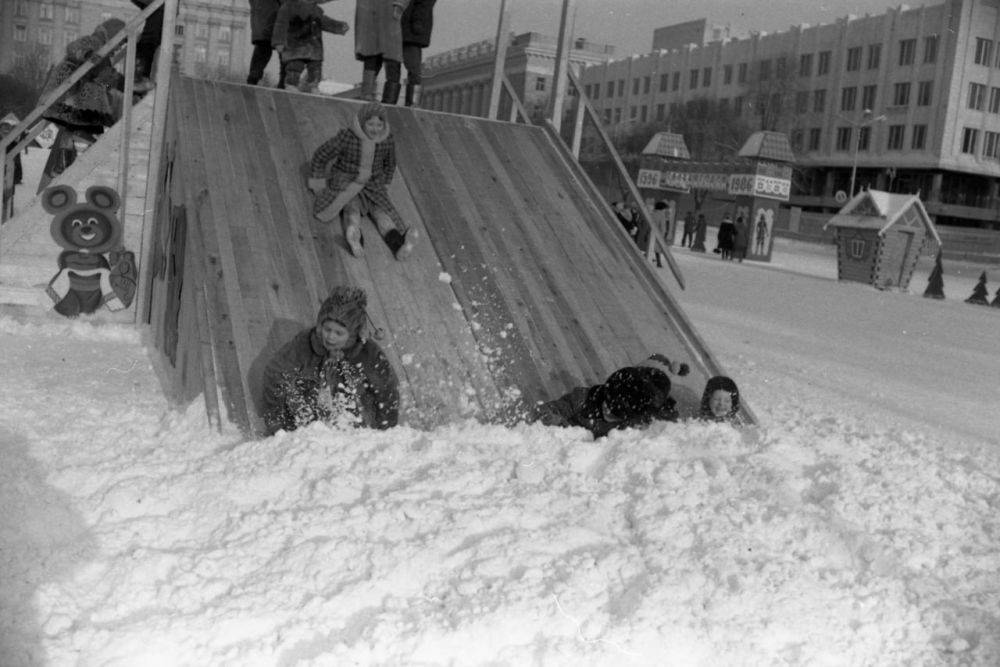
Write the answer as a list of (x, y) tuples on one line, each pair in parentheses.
[(859, 524)]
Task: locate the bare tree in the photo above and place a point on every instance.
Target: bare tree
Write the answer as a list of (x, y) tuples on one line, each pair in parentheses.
[(21, 85), (771, 92)]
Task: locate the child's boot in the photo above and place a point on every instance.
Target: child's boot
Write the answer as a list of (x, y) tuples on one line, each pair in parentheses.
[(354, 241), (400, 244), (390, 92)]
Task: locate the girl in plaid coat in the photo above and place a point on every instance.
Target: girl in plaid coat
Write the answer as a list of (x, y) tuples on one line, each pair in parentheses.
[(350, 175)]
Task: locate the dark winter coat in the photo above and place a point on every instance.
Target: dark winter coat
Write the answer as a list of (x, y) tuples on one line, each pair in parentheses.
[(262, 16), (727, 235), (341, 161), (303, 384), (418, 22), (94, 101), (740, 237), (299, 27), (376, 32)]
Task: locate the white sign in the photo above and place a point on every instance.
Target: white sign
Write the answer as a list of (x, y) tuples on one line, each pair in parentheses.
[(772, 188)]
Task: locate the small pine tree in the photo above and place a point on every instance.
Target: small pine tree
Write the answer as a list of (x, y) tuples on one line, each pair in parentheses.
[(935, 284), (996, 299), (979, 292)]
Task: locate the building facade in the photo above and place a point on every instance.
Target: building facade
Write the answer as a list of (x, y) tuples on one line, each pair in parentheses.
[(212, 37), (460, 80), (908, 100)]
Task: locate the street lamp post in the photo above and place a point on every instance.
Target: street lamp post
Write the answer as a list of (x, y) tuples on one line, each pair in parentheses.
[(857, 141)]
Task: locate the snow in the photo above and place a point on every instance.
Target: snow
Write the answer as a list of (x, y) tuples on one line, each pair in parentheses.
[(859, 523)]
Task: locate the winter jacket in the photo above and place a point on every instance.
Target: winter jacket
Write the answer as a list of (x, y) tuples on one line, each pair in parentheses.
[(418, 22), (726, 236), (92, 102), (584, 407), (262, 16), (298, 29), (740, 238), (342, 162), (376, 32), (303, 384)]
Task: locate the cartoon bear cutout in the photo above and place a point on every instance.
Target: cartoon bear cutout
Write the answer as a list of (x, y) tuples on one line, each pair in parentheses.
[(87, 231)]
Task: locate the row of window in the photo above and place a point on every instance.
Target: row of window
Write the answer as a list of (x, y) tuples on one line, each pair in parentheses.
[(44, 35), (47, 11), (991, 143), (859, 139), (977, 98), (985, 50)]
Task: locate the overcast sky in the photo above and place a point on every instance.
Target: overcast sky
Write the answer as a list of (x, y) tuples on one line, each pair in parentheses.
[(626, 24)]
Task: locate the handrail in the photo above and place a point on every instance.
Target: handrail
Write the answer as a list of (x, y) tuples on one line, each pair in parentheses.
[(623, 172), (516, 106), (20, 136)]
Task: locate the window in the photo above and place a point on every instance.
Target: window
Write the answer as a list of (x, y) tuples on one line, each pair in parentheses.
[(843, 139), (72, 14), (225, 33), (539, 83), (858, 247), (761, 105), (901, 94), (643, 113), (991, 145), (896, 135), (646, 82), (780, 67), (806, 64), (874, 56), (693, 80), (633, 112), (635, 86), (815, 133), (919, 137), (607, 116), (201, 31), (868, 97), (925, 91), (20, 33), (970, 137), (930, 48), (611, 88), (994, 100), (984, 51), (675, 81), (621, 87), (618, 115), (907, 47), (802, 101), (200, 53), (854, 59), (823, 66), (21, 8), (741, 73), (46, 11), (727, 74), (222, 57), (706, 77), (661, 110), (864, 137), (819, 101), (848, 98), (664, 82), (69, 36), (723, 105), (797, 137), (738, 105), (45, 36), (977, 96), (765, 70)]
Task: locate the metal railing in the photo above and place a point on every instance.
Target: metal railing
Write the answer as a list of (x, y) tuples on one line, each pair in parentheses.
[(21, 136)]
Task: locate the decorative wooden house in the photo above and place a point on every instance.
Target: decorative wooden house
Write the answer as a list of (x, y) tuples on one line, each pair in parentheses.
[(880, 235)]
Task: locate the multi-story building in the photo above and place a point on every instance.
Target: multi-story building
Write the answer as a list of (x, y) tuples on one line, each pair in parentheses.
[(908, 99), (212, 37), (460, 80)]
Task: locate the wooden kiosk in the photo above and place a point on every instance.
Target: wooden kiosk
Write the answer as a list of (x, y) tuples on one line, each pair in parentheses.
[(880, 236)]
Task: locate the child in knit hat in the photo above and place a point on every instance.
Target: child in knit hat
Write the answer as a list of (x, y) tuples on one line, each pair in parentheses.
[(332, 372), (720, 401), (350, 176), (631, 397), (298, 38)]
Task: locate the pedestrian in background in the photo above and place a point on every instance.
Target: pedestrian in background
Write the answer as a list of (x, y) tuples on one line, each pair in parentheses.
[(298, 39), (417, 23), (262, 16), (378, 41)]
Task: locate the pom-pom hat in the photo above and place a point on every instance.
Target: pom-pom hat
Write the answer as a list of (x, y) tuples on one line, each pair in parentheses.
[(345, 305)]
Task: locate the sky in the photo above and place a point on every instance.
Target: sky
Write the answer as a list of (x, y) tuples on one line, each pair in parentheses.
[(626, 24), (858, 523)]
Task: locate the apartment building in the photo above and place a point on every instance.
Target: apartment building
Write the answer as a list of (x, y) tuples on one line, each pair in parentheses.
[(909, 99), (212, 37), (460, 80)]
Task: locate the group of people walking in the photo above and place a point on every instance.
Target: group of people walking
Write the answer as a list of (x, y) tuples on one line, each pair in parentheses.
[(388, 34)]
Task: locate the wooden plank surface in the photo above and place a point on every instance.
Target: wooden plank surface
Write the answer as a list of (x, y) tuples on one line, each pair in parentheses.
[(517, 290)]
